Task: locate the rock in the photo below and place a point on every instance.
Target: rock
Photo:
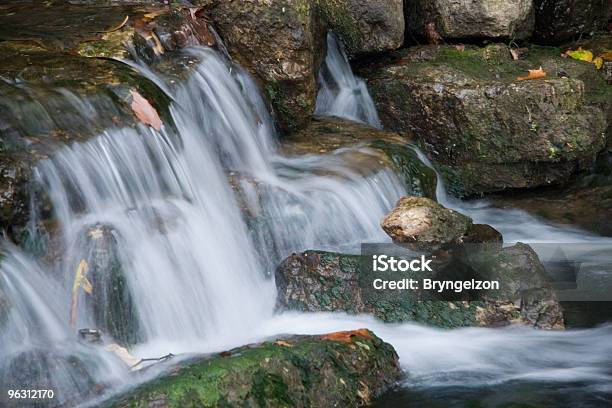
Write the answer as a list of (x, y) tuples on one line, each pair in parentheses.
[(31, 129), (482, 234), (338, 369), (5, 309), (365, 26), (281, 43), (388, 149), (496, 133), (316, 281), (111, 303), (67, 374), (423, 221), (562, 20), (583, 207), (466, 19)]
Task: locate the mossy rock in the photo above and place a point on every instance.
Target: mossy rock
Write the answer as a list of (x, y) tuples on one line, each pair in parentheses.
[(340, 369), (388, 150), (50, 100), (315, 281), (486, 130)]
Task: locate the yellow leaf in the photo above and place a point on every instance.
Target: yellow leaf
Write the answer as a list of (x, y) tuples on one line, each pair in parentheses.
[(580, 54), (598, 62), (533, 74)]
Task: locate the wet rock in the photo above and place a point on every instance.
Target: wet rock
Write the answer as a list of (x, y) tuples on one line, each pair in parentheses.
[(65, 373), (92, 95), (323, 281), (5, 308), (583, 207), (385, 149), (496, 132), (338, 369), (365, 26), (482, 234), (423, 221), (282, 44), (111, 303), (471, 19), (562, 20)]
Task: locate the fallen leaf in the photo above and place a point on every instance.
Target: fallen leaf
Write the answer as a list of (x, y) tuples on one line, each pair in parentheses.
[(80, 281), (144, 111), (515, 54), (598, 62), (606, 56), (580, 54), (460, 47), (282, 343), (432, 35), (533, 74), (347, 336)]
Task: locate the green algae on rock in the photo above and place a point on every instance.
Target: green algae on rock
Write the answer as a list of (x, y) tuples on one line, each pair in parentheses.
[(495, 133), (339, 369)]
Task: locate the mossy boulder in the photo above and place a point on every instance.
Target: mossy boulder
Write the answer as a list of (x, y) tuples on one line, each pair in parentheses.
[(423, 221), (466, 19), (384, 150), (338, 369), (365, 26), (563, 20), (49, 100), (486, 130), (282, 44), (323, 281)]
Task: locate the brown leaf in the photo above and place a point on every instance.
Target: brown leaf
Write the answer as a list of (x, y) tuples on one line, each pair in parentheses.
[(282, 343), (533, 74), (432, 35), (515, 54), (347, 336), (144, 111)]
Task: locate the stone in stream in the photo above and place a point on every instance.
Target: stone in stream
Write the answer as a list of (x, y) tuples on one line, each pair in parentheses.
[(424, 221), (563, 20), (68, 374), (337, 369), (111, 303), (471, 19), (485, 130), (315, 281)]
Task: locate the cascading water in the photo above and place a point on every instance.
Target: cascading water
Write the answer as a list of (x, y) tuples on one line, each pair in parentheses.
[(197, 279), (342, 94)]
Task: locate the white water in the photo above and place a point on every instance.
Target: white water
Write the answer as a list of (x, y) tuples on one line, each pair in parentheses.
[(199, 278), (341, 93)]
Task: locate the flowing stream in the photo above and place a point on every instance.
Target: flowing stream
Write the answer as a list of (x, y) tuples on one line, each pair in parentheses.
[(198, 275)]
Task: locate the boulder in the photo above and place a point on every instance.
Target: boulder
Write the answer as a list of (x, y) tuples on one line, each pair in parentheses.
[(111, 303), (365, 26), (563, 20), (465, 19), (281, 43), (317, 281), (337, 369), (424, 221), (485, 130)]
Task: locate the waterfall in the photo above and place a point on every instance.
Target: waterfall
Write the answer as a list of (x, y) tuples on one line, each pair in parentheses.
[(196, 255), (341, 93)]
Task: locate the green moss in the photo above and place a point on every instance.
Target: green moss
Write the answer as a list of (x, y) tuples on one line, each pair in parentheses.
[(337, 15), (278, 98), (419, 179)]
